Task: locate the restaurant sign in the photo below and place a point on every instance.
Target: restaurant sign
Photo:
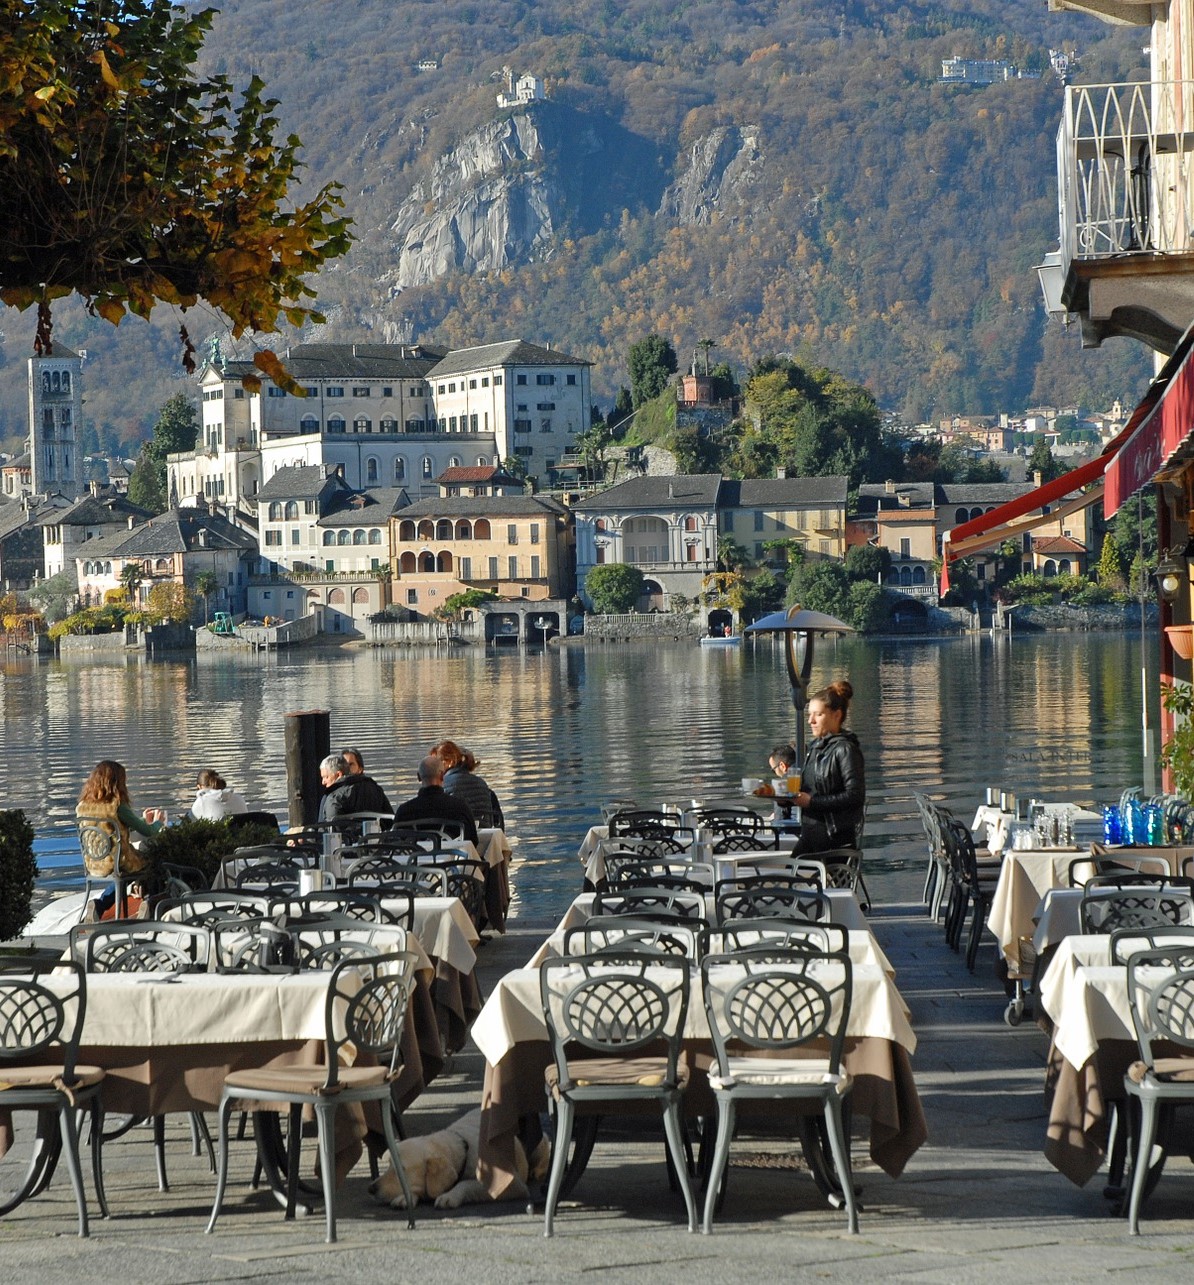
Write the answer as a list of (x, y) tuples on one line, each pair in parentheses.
[(1153, 444)]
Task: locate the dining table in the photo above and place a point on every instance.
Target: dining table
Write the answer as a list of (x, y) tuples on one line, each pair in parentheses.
[(512, 1036), (167, 1041)]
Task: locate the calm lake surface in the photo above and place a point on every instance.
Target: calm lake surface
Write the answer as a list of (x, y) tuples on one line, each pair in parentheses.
[(559, 731)]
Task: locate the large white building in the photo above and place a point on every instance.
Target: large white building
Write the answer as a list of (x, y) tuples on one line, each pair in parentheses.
[(385, 415)]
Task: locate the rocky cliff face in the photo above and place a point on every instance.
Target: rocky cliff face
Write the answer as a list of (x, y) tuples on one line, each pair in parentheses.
[(722, 168), (507, 192)]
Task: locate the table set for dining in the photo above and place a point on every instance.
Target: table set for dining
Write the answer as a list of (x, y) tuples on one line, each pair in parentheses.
[(167, 1039), (513, 1032)]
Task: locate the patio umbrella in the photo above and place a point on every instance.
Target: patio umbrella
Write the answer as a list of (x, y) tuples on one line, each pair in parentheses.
[(799, 628)]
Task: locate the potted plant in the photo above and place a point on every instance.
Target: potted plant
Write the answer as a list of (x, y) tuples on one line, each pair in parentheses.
[(1178, 752), (18, 870)]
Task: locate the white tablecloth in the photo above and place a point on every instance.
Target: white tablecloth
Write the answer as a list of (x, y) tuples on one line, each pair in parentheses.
[(513, 1013), (1024, 878), (445, 930), (148, 1010)]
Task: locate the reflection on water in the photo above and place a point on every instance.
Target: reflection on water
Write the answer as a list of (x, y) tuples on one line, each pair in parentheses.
[(559, 731)]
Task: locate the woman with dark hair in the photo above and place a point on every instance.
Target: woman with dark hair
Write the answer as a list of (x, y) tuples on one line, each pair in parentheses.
[(105, 799), (463, 783), (833, 783), (214, 800)]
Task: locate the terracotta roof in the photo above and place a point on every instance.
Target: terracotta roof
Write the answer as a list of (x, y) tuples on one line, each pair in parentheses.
[(1056, 544), (465, 473), (887, 516)]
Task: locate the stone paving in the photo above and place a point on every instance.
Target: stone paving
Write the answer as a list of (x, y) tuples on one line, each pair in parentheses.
[(977, 1203)]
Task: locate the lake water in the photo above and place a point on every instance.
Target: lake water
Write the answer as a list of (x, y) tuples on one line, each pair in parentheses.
[(560, 731)]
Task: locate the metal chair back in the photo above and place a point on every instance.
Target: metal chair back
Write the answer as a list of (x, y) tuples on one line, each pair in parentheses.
[(142, 946), (686, 938), (638, 901), (770, 899), (348, 903), (1126, 942), (781, 934), (208, 908), (1134, 908)]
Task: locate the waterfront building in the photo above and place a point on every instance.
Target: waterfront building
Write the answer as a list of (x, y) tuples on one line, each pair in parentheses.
[(388, 415), (16, 477), (669, 527), (176, 546), (517, 546), (99, 513)]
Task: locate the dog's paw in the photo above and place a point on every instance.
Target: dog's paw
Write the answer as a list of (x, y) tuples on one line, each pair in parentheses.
[(468, 1192), (385, 1190)]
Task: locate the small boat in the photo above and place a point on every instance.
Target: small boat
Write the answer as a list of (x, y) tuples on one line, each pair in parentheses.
[(734, 640)]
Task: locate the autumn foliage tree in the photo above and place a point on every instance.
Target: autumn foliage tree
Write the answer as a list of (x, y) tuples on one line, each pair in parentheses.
[(132, 181)]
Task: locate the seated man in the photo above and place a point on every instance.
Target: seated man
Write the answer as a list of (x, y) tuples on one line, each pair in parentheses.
[(347, 791), (433, 802)]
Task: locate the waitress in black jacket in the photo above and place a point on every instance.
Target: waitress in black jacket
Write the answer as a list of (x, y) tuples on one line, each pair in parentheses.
[(833, 782)]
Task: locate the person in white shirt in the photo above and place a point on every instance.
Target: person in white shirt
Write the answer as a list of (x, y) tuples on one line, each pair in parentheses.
[(214, 800)]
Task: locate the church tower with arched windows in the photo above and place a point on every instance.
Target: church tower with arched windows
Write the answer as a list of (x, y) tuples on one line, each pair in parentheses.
[(55, 415)]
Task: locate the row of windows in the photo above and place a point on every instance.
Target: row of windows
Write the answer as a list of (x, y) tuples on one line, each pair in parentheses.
[(647, 524), (55, 381), (472, 383), (428, 563), (47, 418), (288, 511), (359, 536), (445, 529), (359, 390)]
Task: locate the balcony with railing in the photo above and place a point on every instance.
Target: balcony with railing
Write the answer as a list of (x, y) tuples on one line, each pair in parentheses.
[(1125, 178)]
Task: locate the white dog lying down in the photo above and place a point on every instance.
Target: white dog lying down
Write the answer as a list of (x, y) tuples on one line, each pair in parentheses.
[(442, 1167)]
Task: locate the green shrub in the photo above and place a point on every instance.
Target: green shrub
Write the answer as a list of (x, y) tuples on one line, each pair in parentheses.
[(1092, 595), (18, 870), (203, 844)]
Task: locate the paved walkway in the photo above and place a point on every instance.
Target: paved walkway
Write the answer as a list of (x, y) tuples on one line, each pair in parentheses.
[(978, 1202)]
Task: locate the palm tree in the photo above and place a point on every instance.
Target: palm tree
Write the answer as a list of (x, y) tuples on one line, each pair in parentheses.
[(131, 577), (206, 583)]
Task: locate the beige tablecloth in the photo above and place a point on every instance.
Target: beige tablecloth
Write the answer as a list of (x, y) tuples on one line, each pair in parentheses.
[(511, 1028), (1058, 914), (1024, 878)]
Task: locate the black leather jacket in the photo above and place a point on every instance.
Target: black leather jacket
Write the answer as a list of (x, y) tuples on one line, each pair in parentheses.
[(835, 778)]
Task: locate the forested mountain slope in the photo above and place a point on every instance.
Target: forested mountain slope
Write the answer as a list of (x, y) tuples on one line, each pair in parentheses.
[(782, 176)]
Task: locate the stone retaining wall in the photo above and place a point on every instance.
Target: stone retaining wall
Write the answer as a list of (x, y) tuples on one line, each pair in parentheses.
[(660, 626)]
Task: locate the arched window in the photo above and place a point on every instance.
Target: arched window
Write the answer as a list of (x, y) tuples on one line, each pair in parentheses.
[(389, 426), (918, 575), (361, 425), (45, 381), (443, 529), (463, 530), (481, 461), (406, 564), (1050, 567), (961, 516), (892, 577), (360, 595), (481, 529), (162, 564), (291, 510), (690, 523), (66, 381), (1063, 567), (454, 462), (275, 511), (329, 537), (107, 568), (399, 469), (309, 424), (905, 575), (358, 536), (426, 561), (374, 535), (444, 562), (336, 598), (976, 512), (342, 537), (428, 467), (406, 530), (335, 424), (599, 525), (371, 470), (426, 529)]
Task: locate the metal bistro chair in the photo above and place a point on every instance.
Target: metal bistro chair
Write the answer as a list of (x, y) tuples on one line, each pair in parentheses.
[(349, 903), (769, 898), (1126, 942), (148, 946), (367, 1002), (606, 1014), (386, 877), (937, 873), (40, 1026), (1103, 871), (1161, 996), (972, 893), (99, 842), (649, 901), (208, 908), (1134, 908), (323, 941), (661, 874), (761, 839), (687, 938), (775, 1001), (727, 821), (781, 934)]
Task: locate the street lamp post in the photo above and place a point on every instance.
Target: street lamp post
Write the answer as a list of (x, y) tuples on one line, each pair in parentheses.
[(799, 628)]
